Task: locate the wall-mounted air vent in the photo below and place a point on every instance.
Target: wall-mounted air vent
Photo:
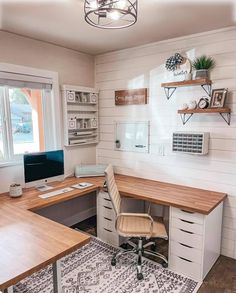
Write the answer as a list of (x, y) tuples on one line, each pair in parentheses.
[(195, 143)]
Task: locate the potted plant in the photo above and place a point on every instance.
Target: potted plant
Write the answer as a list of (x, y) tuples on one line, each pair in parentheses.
[(203, 65)]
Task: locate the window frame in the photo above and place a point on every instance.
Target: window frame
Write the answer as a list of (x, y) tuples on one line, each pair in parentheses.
[(56, 111)]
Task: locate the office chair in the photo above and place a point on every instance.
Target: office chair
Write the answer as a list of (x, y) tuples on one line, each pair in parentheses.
[(134, 225)]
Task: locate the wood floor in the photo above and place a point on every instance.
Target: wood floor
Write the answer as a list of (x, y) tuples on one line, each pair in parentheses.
[(221, 278)]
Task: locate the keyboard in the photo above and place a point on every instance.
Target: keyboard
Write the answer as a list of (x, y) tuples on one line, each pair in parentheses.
[(56, 192)]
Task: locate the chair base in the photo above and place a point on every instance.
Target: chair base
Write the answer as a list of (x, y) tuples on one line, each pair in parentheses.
[(140, 250)]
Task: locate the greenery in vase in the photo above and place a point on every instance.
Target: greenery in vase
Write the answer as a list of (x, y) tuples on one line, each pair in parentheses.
[(204, 63)]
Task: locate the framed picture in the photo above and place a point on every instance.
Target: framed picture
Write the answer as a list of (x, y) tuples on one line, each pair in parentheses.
[(218, 98)]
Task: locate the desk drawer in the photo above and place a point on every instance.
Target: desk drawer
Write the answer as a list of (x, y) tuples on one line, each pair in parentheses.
[(187, 225), (104, 194), (108, 236), (187, 238), (186, 267), (105, 222), (185, 251), (102, 200), (106, 211), (187, 216)]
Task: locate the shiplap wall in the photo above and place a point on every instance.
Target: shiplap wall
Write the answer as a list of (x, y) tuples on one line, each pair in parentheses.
[(144, 67)]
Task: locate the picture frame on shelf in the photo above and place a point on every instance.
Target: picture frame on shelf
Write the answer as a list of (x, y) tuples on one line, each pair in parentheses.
[(218, 98)]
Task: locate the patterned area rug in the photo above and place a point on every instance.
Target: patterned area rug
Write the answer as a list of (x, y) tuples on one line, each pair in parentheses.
[(88, 270)]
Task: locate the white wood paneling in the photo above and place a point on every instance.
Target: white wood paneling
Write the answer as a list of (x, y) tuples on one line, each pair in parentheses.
[(145, 67)]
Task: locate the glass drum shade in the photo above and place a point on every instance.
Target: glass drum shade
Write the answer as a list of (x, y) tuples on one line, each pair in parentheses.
[(111, 14)]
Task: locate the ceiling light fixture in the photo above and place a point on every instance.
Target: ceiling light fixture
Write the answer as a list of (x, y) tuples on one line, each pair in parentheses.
[(111, 14)]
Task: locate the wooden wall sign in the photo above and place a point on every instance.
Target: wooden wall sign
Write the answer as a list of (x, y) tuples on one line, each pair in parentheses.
[(131, 97)]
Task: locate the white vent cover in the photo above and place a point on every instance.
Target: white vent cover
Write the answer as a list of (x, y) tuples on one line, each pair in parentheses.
[(195, 143)]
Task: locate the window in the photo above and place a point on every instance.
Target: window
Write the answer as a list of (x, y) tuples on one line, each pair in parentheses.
[(26, 124)]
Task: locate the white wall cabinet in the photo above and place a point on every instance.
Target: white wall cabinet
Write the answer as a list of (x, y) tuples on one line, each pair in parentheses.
[(80, 115)]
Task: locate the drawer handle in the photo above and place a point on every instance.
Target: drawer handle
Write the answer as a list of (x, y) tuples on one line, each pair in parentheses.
[(185, 245), (107, 208), (184, 259), (187, 212), (185, 221), (106, 199), (107, 230), (107, 219), (186, 231)]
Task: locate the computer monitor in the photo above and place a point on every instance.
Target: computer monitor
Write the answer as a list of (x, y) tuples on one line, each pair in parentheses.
[(41, 168)]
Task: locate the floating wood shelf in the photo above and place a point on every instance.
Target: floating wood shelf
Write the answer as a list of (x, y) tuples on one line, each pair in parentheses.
[(194, 82), (170, 87), (209, 110), (225, 113)]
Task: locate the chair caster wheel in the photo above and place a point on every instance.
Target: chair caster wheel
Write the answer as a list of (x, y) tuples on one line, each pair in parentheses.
[(139, 276), (113, 262), (164, 264)]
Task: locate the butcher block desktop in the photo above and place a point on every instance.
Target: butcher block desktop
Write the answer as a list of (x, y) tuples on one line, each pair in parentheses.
[(30, 242), (183, 197), (20, 227)]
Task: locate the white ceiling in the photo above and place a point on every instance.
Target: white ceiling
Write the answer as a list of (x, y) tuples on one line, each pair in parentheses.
[(62, 22)]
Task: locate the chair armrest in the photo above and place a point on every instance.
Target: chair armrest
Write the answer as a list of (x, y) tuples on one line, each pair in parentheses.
[(136, 215)]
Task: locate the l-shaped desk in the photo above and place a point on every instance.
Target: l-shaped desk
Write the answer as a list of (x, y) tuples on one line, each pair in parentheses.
[(195, 227)]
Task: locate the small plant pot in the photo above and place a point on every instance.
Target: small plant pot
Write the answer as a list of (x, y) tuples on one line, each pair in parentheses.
[(202, 73)]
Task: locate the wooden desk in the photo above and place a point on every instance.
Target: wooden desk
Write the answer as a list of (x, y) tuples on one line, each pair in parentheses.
[(29, 242), (183, 197), (49, 241)]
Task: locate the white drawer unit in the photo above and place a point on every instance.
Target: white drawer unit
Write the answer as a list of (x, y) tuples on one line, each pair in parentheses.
[(195, 241), (183, 250), (109, 236), (186, 267), (187, 225), (106, 211), (186, 215), (104, 201), (106, 220), (189, 238)]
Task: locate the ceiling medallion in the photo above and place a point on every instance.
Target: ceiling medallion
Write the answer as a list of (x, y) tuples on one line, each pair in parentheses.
[(111, 14)]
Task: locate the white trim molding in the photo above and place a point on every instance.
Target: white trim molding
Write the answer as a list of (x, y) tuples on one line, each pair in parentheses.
[(45, 74)]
